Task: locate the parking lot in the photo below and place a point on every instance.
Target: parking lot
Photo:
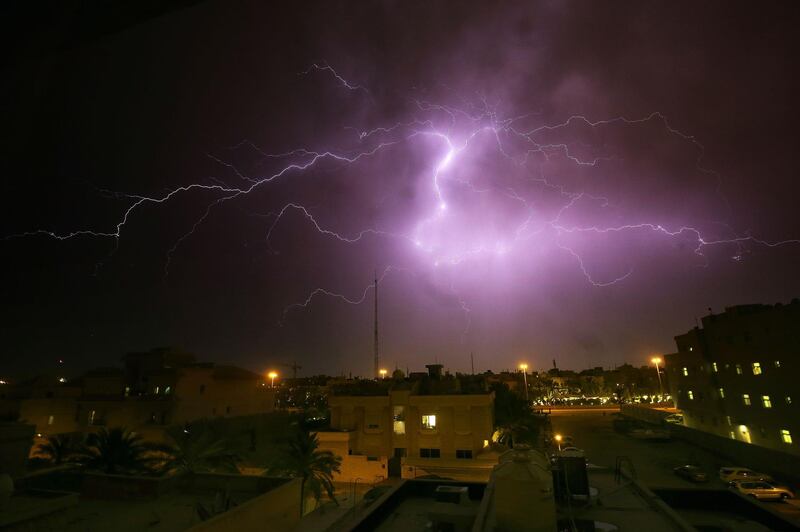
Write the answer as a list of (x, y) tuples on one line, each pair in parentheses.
[(653, 461)]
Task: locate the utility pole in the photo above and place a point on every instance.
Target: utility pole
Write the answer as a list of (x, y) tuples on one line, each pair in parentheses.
[(375, 347), (472, 361)]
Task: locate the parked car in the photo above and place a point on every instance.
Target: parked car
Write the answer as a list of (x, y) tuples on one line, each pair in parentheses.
[(733, 474), (762, 490), (674, 418), (650, 434), (691, 473), (572, 449)]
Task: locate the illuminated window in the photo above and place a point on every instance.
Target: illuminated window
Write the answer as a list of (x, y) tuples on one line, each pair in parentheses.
[(690, 394), (728, 420), (745, 433), (733, 435), (691, 348), (158, 389), (399, 420), (127, 391), (786, 436), (746, 399), (738, 369), (168, 390), (788, 400), (685, 372), (722, 393), (777, 363), (714, 367), (756, 368), (765, 400), (91, 416), (50, 420), (429, 422)]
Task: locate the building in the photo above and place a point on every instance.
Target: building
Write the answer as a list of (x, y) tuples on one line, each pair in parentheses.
[(405, 428), (153, 390), (736, 375)]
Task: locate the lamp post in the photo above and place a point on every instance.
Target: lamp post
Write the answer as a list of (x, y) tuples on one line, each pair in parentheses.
[(383, 373), (657, 361), (272, 375), (524, 368)]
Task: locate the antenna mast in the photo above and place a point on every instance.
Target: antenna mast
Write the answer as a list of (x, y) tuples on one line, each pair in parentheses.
[(376, 353)]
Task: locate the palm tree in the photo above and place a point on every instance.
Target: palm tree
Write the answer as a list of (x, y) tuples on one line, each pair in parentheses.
[(57, 449), (316, 468), (197, 449), (117, 451)]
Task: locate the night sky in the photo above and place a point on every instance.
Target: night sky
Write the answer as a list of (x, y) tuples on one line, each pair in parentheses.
[(531, 181)]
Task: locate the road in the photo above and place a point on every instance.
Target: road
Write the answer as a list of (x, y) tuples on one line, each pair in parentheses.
[(653, 461)]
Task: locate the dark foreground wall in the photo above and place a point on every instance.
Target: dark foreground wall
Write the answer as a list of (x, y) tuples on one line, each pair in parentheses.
[(782, 466)]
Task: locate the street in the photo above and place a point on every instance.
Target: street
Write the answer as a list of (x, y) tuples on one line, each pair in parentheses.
[(653, 461)]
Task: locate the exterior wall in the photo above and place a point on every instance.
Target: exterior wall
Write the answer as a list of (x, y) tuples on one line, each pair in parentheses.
[(463, 422), (203, 395), (278, 510), (49, 416), (15, 442), (721, 356)]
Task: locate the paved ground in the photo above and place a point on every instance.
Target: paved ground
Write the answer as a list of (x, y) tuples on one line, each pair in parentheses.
[(653, 461)]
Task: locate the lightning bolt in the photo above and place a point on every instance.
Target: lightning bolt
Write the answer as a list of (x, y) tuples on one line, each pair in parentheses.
[(456, 129)]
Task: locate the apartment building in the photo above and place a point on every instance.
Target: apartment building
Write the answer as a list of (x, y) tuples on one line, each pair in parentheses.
[(409, 426), (736, 376)]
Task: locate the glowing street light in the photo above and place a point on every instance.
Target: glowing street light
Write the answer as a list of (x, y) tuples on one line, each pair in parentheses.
[(524, 368), (383, 373), (272, 375), (657, 361), (558, 440)]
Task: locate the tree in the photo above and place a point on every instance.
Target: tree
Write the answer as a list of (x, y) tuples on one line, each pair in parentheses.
[(57, 449), (514, 418), (197, 449), (303, 459), (117, 451)]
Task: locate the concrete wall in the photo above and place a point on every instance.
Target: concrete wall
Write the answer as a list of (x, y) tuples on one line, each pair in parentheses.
[(651, 415), (277, 510), (356, 466), (780, 465), (15, 443)]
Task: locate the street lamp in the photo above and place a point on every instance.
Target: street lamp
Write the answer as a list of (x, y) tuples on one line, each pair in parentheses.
[(657, 361), (524, 368), (558, 441), (383, 373), (272, 375)]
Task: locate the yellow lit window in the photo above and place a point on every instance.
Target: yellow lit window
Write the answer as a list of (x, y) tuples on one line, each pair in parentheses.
[(765, 400), (690, 394), (746, 399), (714, 367), (685, 372), (756, 368), (722, 393), (429, 422), (786, 436), (738, 369)]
